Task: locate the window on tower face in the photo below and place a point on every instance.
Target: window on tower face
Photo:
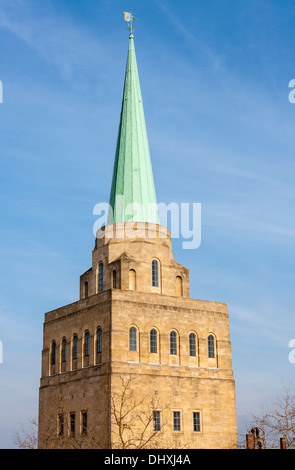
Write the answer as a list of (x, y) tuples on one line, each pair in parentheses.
[(178, 286), (61, 425), (132, 339), (98, 340), (192, 344), (86, 289), (176, 421), (72, 424), (156, 421), (173, 343), (75, 347), (211, 351), (132, 279), (100, 276), (86, 344), (83, 422), (64, 350), (153, 341), (196, 421), (53, 351), (155, 273), (114, 279)]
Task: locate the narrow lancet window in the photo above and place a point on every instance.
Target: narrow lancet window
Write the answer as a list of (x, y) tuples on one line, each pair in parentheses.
[(100, 276), (153, 341), (86, 344), (98, 340), (64, 350), (211, 348), (53, 352), (75, 347), (86, 289), (132, 279), (173, 343), (192, 344), (132, 339), (155, 273), (114, 279), (179, 286)]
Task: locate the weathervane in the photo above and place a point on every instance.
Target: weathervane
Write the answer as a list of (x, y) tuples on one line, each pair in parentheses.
[(129, 18)]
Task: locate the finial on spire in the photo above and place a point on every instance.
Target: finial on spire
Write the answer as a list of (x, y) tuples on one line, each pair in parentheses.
[(129, 18)]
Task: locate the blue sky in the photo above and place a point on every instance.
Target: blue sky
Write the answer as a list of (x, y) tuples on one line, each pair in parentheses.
[(214, 78)]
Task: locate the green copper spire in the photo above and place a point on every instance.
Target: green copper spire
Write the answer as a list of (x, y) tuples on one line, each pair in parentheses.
[(133, 196)]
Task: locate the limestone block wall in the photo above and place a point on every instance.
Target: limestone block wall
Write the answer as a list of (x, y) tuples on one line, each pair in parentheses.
[(182, 383), (75, 393), (87, 371), (76, 319), (212, 398), (184, 316)]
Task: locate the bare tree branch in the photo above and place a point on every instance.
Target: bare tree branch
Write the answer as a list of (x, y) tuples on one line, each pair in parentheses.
[(277, 420)]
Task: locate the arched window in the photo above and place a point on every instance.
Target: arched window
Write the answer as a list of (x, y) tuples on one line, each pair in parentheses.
[(178, 286), (86, 343), (98, 340), (100, 276), (173, 342), (211, 348), (53, 352), (155, 273), (153, 341), (64, 350), (75, 347), (192, 344), (132, 279), (132, 339), (114, 279), (85, 289)]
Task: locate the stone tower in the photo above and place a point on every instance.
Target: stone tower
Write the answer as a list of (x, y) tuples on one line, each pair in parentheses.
[(136, 362)]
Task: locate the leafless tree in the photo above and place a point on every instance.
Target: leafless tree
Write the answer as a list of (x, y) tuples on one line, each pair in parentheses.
[(132, 424), (27, 438), (48, 436), (277, 420), (133, 418)]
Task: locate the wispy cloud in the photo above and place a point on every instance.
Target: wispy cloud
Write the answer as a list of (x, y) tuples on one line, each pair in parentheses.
[(254, 221), (69, 48), (266, 318), (197, 47)]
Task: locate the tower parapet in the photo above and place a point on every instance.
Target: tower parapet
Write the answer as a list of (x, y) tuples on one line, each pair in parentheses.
[(135, 256)]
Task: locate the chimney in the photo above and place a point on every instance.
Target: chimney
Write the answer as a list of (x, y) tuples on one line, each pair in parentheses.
[(250, 441), (283, 444)]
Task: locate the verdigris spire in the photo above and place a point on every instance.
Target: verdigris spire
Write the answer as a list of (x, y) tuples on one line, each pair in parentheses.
[(133, 196)]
